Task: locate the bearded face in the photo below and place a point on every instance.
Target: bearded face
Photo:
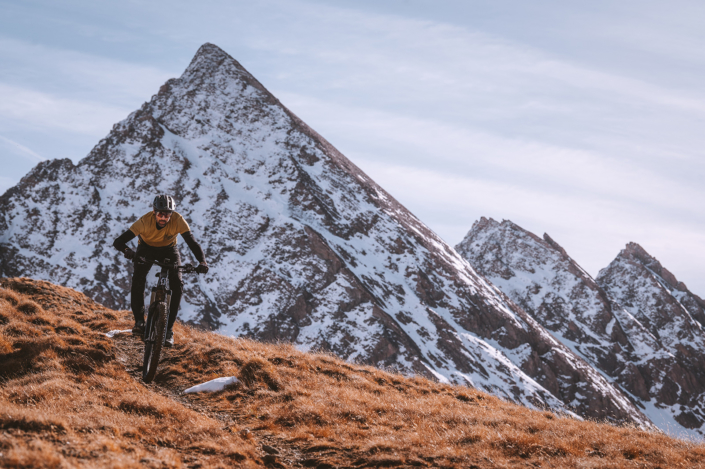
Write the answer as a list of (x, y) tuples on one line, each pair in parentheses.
[(162, 218)]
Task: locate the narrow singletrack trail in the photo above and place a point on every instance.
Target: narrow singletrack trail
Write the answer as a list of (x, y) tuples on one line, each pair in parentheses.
[(275, 452)]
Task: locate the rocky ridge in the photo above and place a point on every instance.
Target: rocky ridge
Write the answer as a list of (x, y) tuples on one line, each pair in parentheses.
[(592, 318), (305, 248), (675, 317)]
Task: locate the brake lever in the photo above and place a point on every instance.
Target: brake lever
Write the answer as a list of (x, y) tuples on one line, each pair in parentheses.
[(188, 268)]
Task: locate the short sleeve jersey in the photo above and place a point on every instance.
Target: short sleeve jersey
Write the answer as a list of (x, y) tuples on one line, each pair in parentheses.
[(146, 229)]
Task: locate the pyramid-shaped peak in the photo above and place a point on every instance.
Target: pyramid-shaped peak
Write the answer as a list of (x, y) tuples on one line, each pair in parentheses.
[(214, 92), (209, 54), (491, 227), (635, 253), (514, 238), (210, 60), (635, 250), (211, 49)]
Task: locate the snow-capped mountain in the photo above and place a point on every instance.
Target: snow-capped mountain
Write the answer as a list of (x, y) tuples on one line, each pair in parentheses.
[(675, 317), (304, 247), (549, 285)]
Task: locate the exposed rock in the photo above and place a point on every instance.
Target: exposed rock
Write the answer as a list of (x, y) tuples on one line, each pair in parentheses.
[(674, 316), (548, 284)]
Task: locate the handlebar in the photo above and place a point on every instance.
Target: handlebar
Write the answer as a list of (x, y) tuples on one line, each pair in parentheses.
[(187, 268)]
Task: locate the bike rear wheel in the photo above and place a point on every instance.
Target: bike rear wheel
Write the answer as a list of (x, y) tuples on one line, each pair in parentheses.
[(155, 335)]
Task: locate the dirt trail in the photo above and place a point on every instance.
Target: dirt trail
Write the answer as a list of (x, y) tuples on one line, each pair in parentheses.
[(275, 452)]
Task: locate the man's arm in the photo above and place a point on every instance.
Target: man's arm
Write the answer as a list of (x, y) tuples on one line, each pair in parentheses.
[(121, 241), (194, 247)]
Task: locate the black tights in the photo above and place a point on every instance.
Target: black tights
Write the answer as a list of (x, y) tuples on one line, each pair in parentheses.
[(139, 279)]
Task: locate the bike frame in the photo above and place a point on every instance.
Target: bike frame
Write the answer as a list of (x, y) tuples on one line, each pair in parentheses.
[(158, 315), (161, 292)]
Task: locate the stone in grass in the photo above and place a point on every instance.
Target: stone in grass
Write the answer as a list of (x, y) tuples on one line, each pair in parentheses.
[(213, 385)]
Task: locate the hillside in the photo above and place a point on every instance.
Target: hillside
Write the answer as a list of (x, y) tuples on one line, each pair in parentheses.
[(71, 397)]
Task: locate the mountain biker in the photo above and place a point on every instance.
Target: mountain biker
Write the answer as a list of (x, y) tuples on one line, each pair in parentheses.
[(157, 231)]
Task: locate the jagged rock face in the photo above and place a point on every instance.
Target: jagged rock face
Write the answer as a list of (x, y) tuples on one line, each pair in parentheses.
[(674, 316), (304, 247), (549, 285)]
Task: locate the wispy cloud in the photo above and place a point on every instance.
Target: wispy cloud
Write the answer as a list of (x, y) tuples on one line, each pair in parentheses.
[(25, 107), (426, 144), (82, 76), (388, 51), (21, 150)]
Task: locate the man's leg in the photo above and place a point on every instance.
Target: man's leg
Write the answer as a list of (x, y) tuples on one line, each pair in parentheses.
[(176, 285), (139, 279)]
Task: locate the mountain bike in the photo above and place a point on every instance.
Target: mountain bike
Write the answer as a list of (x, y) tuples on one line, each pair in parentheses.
[(157, 315)]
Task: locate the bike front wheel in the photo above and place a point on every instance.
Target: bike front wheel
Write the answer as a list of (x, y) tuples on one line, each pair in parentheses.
[(155, 336)]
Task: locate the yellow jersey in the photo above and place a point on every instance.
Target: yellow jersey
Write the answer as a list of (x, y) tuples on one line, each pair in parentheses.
[(146, 229)]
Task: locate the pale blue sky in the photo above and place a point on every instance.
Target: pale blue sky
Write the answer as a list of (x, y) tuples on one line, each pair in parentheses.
[(580, 119)]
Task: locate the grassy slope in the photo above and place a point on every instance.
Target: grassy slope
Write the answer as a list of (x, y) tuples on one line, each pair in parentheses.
[(72, 397)]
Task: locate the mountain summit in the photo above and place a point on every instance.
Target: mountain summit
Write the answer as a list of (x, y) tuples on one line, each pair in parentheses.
[(675, 317), (304, 247), (632, 324)]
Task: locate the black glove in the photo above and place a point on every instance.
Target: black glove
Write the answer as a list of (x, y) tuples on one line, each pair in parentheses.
[(202, 268), (129, 254)]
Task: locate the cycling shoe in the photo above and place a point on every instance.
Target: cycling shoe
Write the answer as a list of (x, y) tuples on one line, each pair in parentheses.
[(169, 339), (139, 328)]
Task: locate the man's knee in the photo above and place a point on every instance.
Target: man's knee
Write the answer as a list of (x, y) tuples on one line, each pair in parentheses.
[(176, 285), (139, 276)]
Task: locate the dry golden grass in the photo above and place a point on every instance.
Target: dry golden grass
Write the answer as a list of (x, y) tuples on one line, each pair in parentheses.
[(72, 397), (68, 401)]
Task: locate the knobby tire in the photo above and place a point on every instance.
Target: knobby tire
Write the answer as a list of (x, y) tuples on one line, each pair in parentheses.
[(154, 343)]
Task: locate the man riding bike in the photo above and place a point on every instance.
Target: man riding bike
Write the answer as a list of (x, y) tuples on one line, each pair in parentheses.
[(157, 231)]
